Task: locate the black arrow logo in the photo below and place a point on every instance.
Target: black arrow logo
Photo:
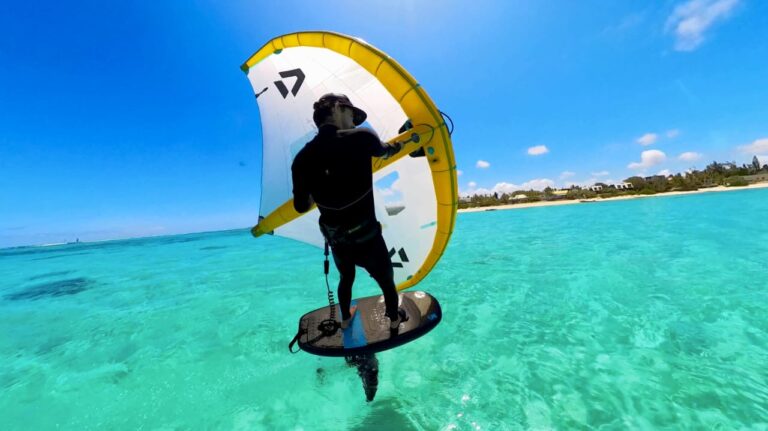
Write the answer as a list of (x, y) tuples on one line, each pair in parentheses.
[(401, 254), (296, 73)]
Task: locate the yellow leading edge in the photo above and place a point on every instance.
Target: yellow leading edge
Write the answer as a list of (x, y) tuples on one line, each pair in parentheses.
[(418, 107)]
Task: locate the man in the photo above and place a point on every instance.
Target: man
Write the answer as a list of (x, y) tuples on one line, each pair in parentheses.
[(334, 172)]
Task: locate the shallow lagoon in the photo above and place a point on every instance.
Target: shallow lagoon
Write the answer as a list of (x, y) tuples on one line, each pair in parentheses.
[(644, 314)]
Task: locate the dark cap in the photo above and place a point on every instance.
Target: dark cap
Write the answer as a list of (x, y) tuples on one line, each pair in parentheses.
[(327, 101)]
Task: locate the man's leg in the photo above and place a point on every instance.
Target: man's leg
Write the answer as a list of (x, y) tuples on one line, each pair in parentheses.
[(346, 266), (378, 264), (387, 285)]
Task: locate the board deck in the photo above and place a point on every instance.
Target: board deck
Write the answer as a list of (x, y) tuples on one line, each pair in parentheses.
[(368, 331)]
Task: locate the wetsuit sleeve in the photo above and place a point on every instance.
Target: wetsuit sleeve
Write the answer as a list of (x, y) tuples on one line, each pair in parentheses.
[(375, 147), (302, 201)]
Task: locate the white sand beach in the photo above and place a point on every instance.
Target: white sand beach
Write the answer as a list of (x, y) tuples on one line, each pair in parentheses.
[(577, 201)]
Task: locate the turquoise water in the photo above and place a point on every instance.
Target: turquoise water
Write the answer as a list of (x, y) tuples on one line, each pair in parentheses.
[(641, 314)]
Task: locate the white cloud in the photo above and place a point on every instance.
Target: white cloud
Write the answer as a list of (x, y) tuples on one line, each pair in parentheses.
[(538, 184), (647, 139), (482, 164), (665, 172), (648, 158), (480, 191), (459, 172), (628, 23), (763, 159), (504, 187), (567, 174), (392, 189), (692, 19), (601, 174), (759, 146), (673, 133), (538, 150), (689, 156)]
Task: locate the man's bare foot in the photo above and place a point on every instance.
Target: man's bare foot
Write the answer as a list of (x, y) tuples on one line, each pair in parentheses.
[(401, 317), (345, 322)]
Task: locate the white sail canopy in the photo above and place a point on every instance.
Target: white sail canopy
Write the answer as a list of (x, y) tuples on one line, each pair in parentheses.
[(287, 81)]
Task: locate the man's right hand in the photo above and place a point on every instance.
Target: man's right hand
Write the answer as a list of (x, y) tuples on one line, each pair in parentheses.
[(393, 149)]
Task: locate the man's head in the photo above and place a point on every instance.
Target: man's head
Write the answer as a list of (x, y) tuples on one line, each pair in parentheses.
[(336, 109)]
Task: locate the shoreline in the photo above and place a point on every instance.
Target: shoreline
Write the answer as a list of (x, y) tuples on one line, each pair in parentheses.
[(615, 198), (465, 210)]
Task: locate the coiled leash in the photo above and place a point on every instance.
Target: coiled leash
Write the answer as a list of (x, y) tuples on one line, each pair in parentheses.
[(329, 326)]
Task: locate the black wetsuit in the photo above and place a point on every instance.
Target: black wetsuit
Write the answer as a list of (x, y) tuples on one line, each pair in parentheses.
[(334, 169)]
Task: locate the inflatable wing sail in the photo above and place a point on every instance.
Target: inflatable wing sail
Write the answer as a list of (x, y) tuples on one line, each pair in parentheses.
[(415, 191)]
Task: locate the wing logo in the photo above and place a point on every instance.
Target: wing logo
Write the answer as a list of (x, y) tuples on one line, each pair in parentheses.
[(283, 89), (401, 254)]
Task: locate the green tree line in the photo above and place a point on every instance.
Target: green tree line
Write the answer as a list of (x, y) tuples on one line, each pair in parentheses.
[(715, 174)]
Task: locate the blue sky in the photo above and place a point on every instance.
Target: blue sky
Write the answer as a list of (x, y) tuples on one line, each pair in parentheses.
[(122, 119)]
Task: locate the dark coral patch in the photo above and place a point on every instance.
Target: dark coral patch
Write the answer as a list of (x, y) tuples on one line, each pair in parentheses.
[(53, 289)]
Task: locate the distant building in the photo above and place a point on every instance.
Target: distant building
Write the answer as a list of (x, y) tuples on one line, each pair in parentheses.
[(559, 192), (624, 186), (595, 188), (519, 197), (757, 178)]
